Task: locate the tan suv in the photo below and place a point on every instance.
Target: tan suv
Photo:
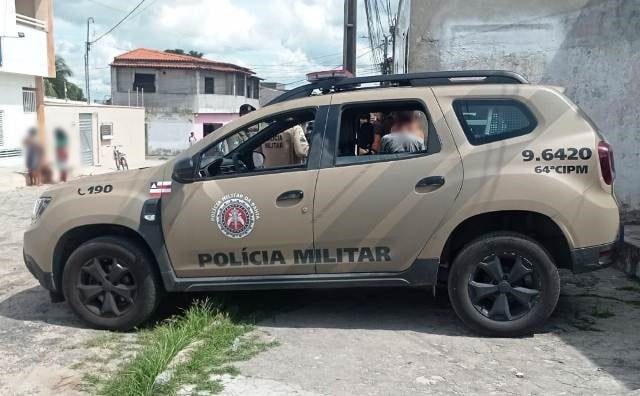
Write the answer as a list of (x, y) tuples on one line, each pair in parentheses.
[(474, 179)]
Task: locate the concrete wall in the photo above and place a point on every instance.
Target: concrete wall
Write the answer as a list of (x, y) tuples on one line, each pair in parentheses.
[(592, 47), (179, 91), (27, 54), (15, 121), (128, 131), (168, 133), (173, 110)]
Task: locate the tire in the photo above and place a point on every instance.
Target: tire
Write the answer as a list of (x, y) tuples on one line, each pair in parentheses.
[(516, 305), (132, 292)]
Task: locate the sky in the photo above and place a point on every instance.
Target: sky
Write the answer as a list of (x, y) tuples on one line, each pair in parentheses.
[(281, 40)]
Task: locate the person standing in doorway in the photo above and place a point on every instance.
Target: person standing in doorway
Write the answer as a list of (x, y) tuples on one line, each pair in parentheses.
[(192, 139)]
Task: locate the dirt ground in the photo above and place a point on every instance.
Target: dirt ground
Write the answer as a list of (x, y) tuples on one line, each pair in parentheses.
[(383, 341)]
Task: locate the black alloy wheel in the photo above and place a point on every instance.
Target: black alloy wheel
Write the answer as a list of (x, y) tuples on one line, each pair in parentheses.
[(504, 286), (107, 288), (110, 282)]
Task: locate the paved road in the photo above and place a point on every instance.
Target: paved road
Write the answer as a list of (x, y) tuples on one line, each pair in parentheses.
[(350, 341)]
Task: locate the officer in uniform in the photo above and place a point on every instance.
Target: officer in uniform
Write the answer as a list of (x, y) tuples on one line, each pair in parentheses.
[(286, 148)]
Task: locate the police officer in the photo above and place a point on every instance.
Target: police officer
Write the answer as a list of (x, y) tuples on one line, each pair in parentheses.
[(286, 148)]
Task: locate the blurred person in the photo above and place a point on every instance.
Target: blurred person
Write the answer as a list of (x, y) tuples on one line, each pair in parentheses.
[(381, 127), (364, 138), (61, 145), (192, 139), (407, 134), (34, 156)]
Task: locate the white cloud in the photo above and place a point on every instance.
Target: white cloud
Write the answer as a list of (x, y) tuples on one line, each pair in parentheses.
[(281, 40)]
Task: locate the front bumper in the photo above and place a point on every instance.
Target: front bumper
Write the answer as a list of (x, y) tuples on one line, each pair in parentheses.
[(593, 258), (45, 278)]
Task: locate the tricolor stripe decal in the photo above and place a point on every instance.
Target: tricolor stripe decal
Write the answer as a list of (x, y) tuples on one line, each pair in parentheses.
[(159, 188)]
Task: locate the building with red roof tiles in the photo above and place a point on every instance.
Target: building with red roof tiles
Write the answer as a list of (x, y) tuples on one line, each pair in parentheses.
[(181, 94)]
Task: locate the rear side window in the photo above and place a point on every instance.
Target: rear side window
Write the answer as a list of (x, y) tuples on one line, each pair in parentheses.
[(486, 121)]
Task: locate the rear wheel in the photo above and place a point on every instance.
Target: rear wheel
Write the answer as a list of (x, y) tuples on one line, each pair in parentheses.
[(504, 284), (109, 283)]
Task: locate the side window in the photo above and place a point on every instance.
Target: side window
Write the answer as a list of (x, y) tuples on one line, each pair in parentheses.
[(485, 121), (384, 131), (276, 142), (146, 82)]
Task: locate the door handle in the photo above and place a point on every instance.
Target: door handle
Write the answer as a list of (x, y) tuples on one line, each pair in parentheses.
[(430, 183), (293, 195)]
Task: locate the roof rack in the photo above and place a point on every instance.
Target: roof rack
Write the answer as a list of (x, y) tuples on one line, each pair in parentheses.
[(412, 80)]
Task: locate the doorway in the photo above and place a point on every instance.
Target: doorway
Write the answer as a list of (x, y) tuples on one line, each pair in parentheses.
[(207, 128), (86, 139)]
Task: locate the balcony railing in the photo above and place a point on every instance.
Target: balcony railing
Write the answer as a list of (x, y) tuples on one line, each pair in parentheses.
[(31, 22)]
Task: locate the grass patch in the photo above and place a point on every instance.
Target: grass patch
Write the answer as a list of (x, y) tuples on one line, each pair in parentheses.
[(220, 341)]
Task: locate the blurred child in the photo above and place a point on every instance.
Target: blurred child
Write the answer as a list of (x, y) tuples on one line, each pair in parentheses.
[(62, 153), (34, 156)]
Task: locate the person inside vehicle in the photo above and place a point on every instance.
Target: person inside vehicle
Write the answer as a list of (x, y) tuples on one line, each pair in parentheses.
[(381, 127), (286, 148), (364, 136), (407, 134)]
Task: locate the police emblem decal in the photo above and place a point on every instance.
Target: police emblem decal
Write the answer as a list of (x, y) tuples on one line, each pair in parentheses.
[(235, 215)]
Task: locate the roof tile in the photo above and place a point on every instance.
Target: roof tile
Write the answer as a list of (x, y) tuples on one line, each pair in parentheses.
[(147, 58)]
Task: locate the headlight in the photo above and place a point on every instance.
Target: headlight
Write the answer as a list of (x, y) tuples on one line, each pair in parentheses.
[(39, 207)]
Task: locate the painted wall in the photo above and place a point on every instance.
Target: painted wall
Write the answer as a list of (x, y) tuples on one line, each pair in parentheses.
[(591, 47), (168, 133), (24, 55), (128, 131), (201, 119), (15, 121)]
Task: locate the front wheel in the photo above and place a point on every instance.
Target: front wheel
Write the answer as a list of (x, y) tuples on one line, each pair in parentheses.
[(110, 283), (504, 285)]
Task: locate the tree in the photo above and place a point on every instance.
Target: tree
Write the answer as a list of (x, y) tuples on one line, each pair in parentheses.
[(55, 87), (195, 54)]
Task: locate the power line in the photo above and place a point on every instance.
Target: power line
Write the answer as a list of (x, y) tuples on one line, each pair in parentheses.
[(119, 23)]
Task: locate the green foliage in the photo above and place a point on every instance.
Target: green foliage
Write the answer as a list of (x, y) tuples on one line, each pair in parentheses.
[(55, 87), (195, 54), (214, 340)]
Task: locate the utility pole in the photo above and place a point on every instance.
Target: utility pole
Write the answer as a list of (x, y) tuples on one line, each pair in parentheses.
[(392, 66), (349, 41), (87, 48), (384, 66)]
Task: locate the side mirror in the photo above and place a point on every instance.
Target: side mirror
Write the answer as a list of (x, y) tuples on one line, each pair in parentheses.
[(184, 171), (258, 160)]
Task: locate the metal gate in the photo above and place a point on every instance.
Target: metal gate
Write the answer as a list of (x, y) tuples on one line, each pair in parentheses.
[(86, 139)]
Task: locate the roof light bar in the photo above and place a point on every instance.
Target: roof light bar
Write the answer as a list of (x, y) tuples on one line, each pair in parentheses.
[(328, 74)]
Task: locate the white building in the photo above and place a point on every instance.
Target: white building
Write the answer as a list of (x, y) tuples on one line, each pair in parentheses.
[(26, 56), (93, 131), (181, 94)]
